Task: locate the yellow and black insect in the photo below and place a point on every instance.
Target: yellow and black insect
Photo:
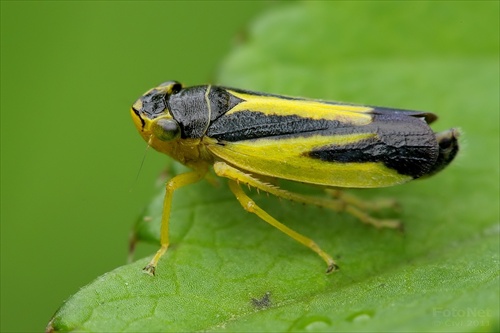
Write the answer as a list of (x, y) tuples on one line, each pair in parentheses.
[(250, 137)]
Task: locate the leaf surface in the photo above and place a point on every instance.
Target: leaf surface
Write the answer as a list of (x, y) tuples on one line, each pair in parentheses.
[(228, 270)]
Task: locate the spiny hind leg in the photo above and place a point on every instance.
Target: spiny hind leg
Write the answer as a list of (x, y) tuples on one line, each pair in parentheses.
[(357, 207), (370, 205), (341, 202)]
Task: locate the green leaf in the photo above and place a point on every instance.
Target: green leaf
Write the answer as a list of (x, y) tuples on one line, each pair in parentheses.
[(229, 271)]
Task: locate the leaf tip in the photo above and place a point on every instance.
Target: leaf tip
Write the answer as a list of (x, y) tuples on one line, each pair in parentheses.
[(50, 326)]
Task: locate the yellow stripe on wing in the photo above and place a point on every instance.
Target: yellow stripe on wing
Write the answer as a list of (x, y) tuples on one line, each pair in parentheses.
[(288, 159), (274, 105)]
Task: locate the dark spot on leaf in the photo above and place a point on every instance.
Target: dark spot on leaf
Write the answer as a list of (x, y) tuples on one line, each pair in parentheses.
[(263, 302)]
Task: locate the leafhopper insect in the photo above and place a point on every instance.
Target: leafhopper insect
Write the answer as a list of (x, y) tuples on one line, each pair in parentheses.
[(249, 136)]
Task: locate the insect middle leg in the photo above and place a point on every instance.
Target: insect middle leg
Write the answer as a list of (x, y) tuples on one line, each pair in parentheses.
[(250, 206), (235, 176)]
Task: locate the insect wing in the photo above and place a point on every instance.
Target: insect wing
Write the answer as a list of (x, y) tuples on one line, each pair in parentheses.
[(324, 143)]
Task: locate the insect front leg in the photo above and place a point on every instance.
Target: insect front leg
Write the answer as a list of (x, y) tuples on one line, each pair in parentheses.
[(235, 176), (172, 185)]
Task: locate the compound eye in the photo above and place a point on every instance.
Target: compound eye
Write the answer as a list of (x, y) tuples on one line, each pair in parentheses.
[(166, 129), (176, 87), (171, 87)]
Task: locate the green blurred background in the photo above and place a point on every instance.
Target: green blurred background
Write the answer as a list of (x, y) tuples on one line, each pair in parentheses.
[(70, 153)]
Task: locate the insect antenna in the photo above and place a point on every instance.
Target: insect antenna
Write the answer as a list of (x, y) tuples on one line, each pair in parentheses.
[(140, 167)]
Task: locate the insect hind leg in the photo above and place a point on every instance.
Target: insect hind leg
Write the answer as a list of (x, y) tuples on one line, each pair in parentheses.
[(357, 207), (341, 202)]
